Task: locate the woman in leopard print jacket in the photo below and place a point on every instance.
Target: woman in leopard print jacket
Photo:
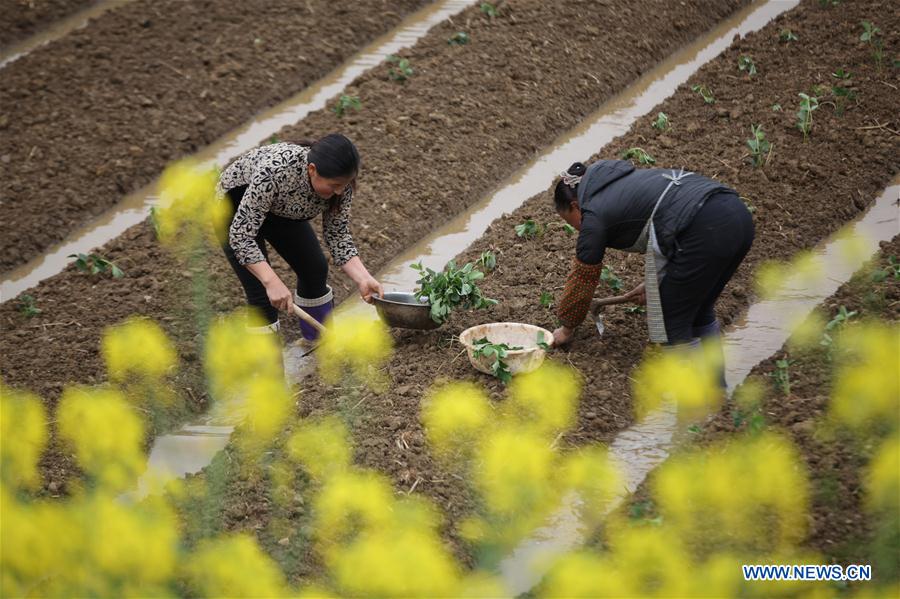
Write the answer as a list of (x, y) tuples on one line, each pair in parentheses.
[(275, 191)]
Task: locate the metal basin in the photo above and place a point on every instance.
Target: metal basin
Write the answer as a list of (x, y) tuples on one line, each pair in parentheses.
[(402, 310)]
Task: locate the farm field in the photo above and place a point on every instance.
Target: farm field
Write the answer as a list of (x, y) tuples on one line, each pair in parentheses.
[(800, 117)]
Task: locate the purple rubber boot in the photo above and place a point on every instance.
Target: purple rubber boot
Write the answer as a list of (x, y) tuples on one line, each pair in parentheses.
[(319, 308), (711, 335)]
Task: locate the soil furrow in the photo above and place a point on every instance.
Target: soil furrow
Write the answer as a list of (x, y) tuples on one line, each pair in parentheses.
[(21, 18), (98, 113), (430, 147)]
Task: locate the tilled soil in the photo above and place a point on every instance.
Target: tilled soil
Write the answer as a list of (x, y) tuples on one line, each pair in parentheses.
[(805, 192), (455, 108), (97, 114), (21, 18)]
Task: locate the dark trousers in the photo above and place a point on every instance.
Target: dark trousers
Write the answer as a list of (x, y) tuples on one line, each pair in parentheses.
[(708, 253), (296, 242)]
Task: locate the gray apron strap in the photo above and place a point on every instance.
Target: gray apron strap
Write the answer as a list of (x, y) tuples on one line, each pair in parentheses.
[(655, 321)]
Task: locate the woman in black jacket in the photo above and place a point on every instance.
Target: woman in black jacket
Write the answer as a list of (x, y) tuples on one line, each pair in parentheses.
[(694, 232)]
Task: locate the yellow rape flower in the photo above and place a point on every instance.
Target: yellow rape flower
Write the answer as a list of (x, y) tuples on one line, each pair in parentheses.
[(138, 346), (686, 376), (189, 203), (23, 431), (454, 416), (591, 473), (354, 343), (263, 410), (867, 388), (396, 562), (351, 501), (513, 477), (107, 435), (546, 398), (583, 574), (883, 478), (769, 278), (719, 496), (322, 446), (233, 567), (234, 356)]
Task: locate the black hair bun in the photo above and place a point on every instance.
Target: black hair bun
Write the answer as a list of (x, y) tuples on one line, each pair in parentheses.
[(578, 169)]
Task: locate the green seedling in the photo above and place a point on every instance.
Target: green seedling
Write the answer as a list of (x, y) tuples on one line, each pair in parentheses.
[(608, 276), (759, 146), (274, 139), (841, 95), (529, 229), (839, 320), (154, 220), (808, 105), (841, 74), (460, 38), (541, 342), (776, 107), (782, 376), (546, 299), (750, 207), (498, 351), (28, 306), (635, 310), (489, 9), (891, 270), (787, 35), (745, 63), (638, 153), (569, 229), (345, 103), (95, 264), (705, 93), (872, 36), (451, 289), (827, 3), (661, 122), (400, 71), (488, 260)]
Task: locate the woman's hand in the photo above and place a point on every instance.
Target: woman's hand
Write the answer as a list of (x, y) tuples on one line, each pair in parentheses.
[(279, 295), (562, 336), (369, 287), (637, 295)]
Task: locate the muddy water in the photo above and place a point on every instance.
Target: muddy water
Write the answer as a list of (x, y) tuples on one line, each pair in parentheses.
[(134, 208), (761, 333), (57, 30)]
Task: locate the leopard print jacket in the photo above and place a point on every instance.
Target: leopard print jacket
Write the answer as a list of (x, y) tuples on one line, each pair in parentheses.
[(277, 182)]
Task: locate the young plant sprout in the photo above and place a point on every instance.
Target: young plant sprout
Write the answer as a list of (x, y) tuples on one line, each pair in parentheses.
[(28, 307), (489, 9), (529, 229), (787, 35), (759, 146), (401, 71), (608, 276), (569, 229), (345, 103), (499, 368), (460, 38), (782, 376), (872, 36), (638, 153), (705, 93), (808, 104), (95, 264), (837, 322), (750, 207), (488, 260), (451, 289), (776, 107), (546, 299), (745, 63), (541, 342), (661, 122), (635, 310)]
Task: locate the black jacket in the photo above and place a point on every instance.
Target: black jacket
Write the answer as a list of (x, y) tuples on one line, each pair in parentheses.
[(616, 200)]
